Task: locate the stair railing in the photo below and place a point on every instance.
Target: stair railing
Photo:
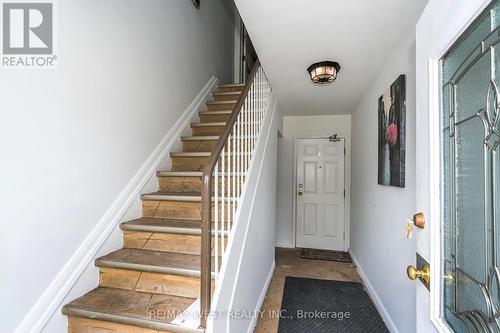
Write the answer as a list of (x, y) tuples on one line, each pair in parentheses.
[(224, 176)]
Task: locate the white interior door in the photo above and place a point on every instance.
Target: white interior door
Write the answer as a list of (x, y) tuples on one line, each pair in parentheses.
[(320, 194), (458, 118)]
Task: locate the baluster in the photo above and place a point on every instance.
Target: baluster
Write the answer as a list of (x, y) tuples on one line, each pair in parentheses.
[(223, 187), (261, 98), (216, 218), (246, 137), (259, 115), (237, 175), (233, 180), (229, 217), (253, 120)]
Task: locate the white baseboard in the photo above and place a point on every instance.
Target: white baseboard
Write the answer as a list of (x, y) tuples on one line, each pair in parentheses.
[(373, 294), (285, 245), (262, 296), (51, 299)]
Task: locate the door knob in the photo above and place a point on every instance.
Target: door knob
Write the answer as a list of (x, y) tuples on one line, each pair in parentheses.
[(414, 273), (419, 220)]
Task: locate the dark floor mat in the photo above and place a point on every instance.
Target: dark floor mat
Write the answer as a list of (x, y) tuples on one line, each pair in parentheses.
[(326, 255), (323, 306)]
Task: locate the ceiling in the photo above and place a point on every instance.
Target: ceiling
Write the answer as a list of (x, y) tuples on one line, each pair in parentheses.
[(291, 35)]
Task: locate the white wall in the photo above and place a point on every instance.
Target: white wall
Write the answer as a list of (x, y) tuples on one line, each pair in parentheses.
[(74, 136), (251, 262), (303, 127), (379, 213)]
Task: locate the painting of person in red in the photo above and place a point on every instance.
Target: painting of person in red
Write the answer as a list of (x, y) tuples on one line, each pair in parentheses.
[(391, 134)]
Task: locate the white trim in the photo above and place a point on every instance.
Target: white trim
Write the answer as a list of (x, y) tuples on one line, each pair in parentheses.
[(51, 299), (373, 294), (347, 187), (435, 195), (262, 296), (435, 174)]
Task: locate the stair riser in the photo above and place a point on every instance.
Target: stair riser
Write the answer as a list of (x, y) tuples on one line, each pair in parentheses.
[(84, 325), (220, 106), (228, 89), (189, 184), (207, 118), (230, 97), (198, 146), (207, 130), (189, 163), (203, 145), (156, 283), (178, 243), (175, 210), (197, 163)]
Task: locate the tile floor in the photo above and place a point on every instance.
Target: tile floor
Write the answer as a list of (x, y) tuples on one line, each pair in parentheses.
[(289, 263)]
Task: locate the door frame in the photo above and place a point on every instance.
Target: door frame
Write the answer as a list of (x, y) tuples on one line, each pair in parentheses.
[(433, 164), (347, 185)]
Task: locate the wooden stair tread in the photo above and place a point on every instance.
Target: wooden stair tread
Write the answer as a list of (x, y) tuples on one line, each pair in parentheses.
[(227, 85), (170, 226), (190, 154), (152, 261), (202, 154), (178, 196), (222, 102), (149, 224), (191, 174), (209, 124), (132, 308), (173, 196), (215, 112), (200, 138), (224, 93)]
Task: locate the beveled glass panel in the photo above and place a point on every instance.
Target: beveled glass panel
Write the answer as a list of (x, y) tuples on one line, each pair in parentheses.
[(472, 88), (470, 199), (468, 43)]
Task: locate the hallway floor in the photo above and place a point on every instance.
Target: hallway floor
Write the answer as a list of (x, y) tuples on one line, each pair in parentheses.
[(289, 263)]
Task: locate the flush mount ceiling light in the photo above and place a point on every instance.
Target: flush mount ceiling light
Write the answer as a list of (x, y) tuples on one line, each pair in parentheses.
[(324, 72)]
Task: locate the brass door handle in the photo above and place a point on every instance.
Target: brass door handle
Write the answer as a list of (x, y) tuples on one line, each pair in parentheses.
[(414, 273), (419, 220)]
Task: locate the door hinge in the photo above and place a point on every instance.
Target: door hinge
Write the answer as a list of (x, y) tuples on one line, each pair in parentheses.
[(344, 193), (344, 235), (345, 151)]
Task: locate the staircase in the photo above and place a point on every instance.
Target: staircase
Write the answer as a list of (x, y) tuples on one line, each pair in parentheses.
[(153, 282)]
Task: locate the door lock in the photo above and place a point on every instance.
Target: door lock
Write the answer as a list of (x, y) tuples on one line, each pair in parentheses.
[(414, 273), (300, 192)]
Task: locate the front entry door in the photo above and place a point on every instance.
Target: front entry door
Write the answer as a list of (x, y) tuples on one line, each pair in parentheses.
[(458, 168), (320, 194)]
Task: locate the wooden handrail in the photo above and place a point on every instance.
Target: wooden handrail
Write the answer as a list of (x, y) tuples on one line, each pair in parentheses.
[(206, 206)]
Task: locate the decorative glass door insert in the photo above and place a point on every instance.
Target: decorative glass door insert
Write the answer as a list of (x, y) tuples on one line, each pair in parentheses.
[(471, 177)]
